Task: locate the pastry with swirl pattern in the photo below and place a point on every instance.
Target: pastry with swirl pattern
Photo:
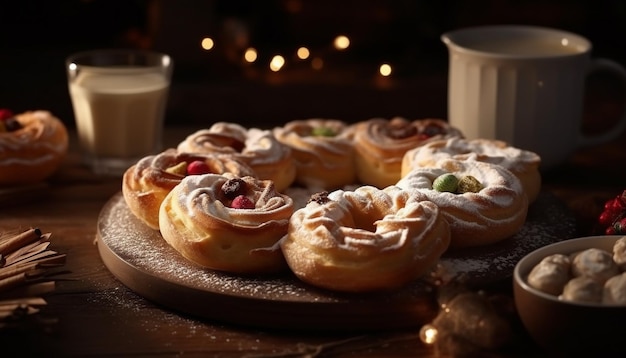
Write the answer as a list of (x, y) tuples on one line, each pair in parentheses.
[(145, 184), (227, 223), (484, 203), (364, 240), (523, 163), (322, 150), (33, 145), (270, 159), (380, 145)]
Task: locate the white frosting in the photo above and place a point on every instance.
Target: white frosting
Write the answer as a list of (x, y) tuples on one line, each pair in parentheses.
[(258, 146), (263, 148), (368, 231), (494, 213), (297, 135), (325, 161), (199, 196), (491, 151)]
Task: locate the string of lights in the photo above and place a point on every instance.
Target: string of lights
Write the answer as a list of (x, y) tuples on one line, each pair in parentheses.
[(278, 62)]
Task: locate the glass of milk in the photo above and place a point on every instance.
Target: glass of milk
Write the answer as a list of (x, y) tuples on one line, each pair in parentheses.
[(119, 98)]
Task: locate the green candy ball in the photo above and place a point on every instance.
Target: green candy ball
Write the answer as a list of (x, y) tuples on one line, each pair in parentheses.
[(446, 182), (322, 132)]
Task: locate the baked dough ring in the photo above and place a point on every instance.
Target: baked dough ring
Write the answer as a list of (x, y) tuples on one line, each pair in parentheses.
[(196, 219), (523, 163), (322, 150), (364, 240), (380, 145), (33, 152), (494, 213), (270, 159), (145, 184)]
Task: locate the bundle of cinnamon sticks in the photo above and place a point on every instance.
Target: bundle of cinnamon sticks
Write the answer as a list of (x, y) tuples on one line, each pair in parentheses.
[(26, 263)]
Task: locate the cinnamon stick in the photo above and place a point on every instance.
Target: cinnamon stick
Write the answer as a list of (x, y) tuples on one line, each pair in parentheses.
[(11, 244), (31, 301), (15, 270), (12, 281)]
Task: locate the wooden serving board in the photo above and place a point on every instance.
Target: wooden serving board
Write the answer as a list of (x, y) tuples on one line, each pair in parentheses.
[(140, 258)]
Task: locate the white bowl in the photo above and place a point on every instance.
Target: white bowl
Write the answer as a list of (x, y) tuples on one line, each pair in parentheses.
[(567, 326)]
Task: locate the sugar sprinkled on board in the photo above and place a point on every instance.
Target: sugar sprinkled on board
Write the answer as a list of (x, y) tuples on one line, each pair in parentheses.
[(145, 249), (547, 222)]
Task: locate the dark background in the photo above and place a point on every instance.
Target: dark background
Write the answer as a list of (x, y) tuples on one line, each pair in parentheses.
[(215, 85)]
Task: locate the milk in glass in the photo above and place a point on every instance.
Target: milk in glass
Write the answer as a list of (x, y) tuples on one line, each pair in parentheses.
[(115, 113)]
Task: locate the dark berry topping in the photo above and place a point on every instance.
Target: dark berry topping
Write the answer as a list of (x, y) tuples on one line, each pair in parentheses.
[(400, 131), (320, 198), (431, 130), (233, 188), (11, 124)]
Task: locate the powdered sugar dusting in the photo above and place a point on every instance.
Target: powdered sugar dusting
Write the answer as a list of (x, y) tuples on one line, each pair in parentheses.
[(548, 221), (146, 251)]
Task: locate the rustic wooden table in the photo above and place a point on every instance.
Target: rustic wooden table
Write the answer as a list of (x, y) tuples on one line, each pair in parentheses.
[(93, 314)]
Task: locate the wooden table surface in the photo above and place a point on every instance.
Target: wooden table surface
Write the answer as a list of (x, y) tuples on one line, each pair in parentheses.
[(95, 315)]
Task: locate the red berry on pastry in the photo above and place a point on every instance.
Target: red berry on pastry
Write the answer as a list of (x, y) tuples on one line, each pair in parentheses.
[(198, 167), (242, 202)]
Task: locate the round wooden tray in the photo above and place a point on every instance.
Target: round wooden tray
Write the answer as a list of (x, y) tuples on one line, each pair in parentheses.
[(138, 257)]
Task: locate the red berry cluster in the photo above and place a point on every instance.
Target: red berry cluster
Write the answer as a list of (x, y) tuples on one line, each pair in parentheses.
[(613, 217), (235, 190)]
